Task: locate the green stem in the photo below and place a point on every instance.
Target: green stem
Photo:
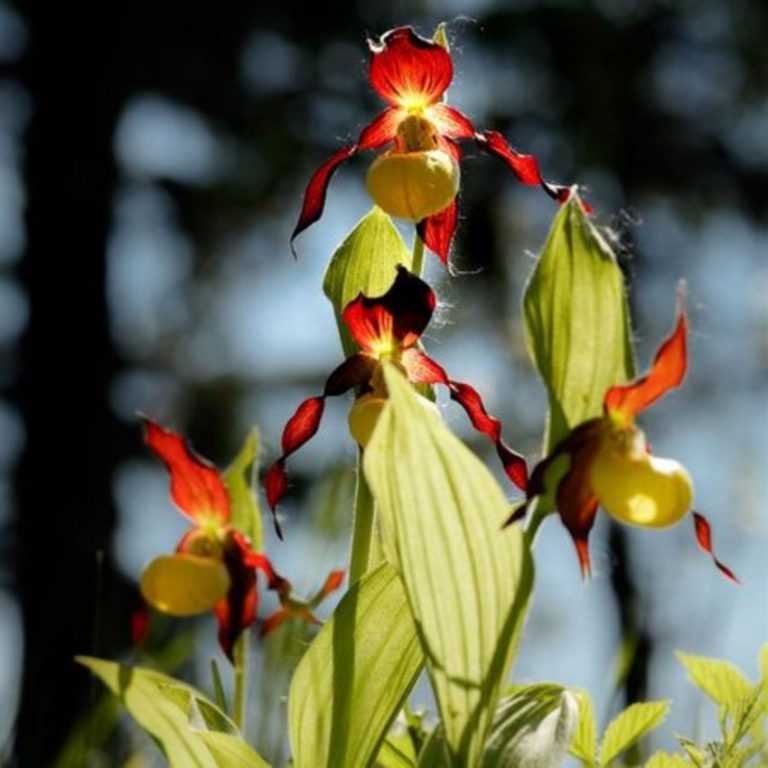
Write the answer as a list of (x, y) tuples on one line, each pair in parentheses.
[(240, 702), (417, 262), (363, 533)]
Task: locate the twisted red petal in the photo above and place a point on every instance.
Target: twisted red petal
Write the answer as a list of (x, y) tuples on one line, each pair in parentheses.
[(196, 486), (408, 70), (272, 622), (451, 123), (140, 623), (332, 583), (395, 319), (525, 167), (437, 231), (301, 427), (422, 369), (667, 372), (703, 532), (314, 195)]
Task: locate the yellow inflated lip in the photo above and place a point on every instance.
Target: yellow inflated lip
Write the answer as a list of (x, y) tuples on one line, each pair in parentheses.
[(184, 585)]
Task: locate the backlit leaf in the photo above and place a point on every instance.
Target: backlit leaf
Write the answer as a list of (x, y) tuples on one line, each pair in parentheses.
[(577, 322), (231, 751), (630, 726), (152, 700), (467, 581), (722, 681), (239, 479), (667, 760), (364, 263), (353, 679)]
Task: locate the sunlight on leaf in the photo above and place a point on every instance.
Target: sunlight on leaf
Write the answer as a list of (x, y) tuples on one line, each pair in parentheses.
[(231, 751), (468, 582), (630, 726), (577, 321), (351, 683), (722, 681), (584, 744), (667, 760)]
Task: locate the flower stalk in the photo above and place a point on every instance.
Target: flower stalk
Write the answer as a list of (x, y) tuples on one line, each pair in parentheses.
[(240, 670)]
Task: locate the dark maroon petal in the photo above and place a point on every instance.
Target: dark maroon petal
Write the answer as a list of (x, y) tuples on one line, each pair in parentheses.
[(703, 532), (469, 399), (407, 70), (314, 195), (140, 624), (525, 167), (302, 426), (396, 319), (382, 130), (667, 372), (451, 123), (237, 611)]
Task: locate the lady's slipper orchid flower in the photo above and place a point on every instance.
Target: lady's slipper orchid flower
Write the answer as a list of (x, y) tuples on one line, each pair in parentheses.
[(214, 567), (611, 466), (386, 329), (418, 177)]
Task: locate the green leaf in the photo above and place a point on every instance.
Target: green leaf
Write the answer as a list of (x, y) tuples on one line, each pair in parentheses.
[(764, 664), (577, 321), (351, 683), (630, 726), (364, 263), (532, 728), (435, 752), (396, 752), (667, 760), (231, 751), (722, 681), (468, 582), (239, 479), (141, 693), (218, 687), (584, 744)]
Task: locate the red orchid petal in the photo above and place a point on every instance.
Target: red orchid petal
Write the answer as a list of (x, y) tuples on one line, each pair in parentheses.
[(577, 506), (314, 195), (407, 70), (196, 486), (302, 426), (332, 583), (237, 611), (437, 231), (272, 622), (525, 167), (667, 372), (422, 369), (398, 318), (381, 130), (451, 123), (704, 537)]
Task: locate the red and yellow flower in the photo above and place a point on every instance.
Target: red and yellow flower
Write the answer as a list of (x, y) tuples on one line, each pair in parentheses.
[(386, 328), (214, 566), (610, 464), (417, 178)]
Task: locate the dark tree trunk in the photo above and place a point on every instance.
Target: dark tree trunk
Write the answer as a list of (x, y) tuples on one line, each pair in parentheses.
[(65, 513)]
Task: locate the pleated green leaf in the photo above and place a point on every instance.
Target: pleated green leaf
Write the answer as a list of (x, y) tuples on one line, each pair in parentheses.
[(467, 581), (584, 744), (577, 321), (365, 263), (629, 727), (174, 713), (353, 679), (239, 479), (532, 728)]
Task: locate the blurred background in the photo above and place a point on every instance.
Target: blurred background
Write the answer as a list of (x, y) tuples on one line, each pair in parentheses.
[(145, 212)]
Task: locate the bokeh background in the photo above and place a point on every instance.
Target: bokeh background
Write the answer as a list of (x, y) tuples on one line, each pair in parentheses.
[(180, 152)]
